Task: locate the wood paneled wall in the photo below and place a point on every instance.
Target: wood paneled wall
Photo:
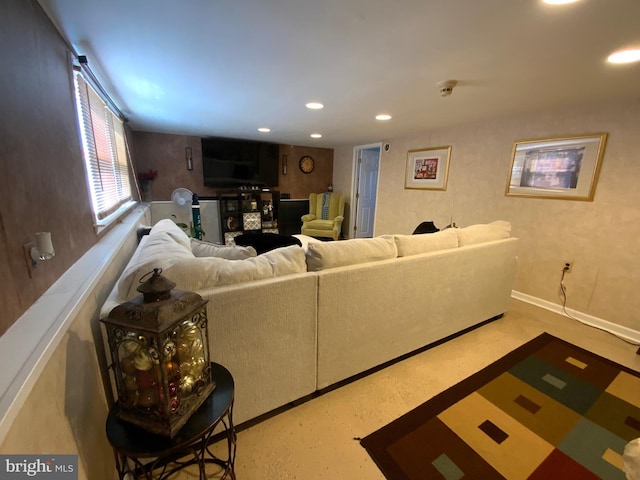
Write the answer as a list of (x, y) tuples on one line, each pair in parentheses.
[(166, 154), (43, 181), (298, 184)]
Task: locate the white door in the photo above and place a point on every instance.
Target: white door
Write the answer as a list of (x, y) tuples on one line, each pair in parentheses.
[(366, 189)]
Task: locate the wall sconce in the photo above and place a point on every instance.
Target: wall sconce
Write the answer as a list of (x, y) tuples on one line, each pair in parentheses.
[(189, 155), (284, 164), (42, 249)]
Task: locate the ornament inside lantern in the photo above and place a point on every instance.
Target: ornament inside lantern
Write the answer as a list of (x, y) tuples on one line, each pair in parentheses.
[(159, 346)]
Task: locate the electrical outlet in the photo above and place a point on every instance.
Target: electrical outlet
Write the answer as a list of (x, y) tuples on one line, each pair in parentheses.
[(567, 267)]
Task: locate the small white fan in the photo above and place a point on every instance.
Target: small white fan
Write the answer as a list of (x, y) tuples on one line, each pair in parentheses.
[(182, 197)]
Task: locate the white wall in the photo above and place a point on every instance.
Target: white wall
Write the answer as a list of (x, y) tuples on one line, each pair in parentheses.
[(601, 236)]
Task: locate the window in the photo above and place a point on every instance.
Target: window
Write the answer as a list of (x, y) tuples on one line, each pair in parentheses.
[(105, 153)]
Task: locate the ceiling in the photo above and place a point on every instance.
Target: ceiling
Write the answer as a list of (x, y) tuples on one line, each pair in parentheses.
[(226, 67)]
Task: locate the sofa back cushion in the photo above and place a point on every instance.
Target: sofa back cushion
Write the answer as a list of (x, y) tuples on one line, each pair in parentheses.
[(165, 244), (169, 228), (484, 232), (206, 272), (324, 255), (230, 252), (415, 244)]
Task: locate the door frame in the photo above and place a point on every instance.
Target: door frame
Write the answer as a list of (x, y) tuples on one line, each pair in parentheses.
[(354, 185)]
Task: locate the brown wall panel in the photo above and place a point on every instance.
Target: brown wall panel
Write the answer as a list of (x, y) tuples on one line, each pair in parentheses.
[(299, 184), (8, 293), (43, 181), (166, 154)]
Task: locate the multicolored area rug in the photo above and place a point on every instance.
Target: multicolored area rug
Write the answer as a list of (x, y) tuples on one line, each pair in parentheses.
[(547, 410)]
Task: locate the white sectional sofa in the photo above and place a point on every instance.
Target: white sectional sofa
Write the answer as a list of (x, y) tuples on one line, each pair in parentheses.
[(295, 320)]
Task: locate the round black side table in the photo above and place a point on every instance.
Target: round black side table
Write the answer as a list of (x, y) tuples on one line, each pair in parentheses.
[(190, 446)]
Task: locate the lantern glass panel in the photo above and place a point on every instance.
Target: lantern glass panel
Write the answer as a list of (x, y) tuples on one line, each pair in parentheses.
[(162, 374)]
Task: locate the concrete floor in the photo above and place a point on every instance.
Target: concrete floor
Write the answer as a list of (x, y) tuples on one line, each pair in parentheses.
[(315, 440)]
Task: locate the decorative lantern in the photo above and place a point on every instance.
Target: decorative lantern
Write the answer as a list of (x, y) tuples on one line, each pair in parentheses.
[(160, 355)]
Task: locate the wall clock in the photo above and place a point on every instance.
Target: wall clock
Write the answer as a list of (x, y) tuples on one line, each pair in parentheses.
[(307, 164)]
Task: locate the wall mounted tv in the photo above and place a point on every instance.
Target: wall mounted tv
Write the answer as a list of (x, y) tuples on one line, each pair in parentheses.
[(228, 162)]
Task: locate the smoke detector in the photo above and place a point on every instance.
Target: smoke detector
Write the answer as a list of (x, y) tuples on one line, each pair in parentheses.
[(446, 87)]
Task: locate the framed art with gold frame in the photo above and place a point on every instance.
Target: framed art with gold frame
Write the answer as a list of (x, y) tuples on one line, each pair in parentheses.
[(559, 168), (427, 168)]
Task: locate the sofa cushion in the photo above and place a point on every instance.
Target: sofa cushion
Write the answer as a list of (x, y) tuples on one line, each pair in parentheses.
[(286, 260), (230, 252), (415, 244), (169, 228), (481, 233), (207, 272), (324, 255), (164, 245)]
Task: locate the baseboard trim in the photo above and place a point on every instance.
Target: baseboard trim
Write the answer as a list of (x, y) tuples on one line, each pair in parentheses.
[(613, 328), (321, 391)]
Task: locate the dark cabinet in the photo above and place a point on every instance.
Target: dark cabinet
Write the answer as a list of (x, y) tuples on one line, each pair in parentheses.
[(248, 211), (290, 214)]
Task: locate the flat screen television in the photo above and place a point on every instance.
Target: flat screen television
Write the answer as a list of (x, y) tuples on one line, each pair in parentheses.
[(228, 162)]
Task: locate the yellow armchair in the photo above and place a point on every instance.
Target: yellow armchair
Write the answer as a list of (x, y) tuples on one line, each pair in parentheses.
[(326, 213)]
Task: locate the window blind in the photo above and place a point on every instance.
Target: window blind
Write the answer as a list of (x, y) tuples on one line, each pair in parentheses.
[(105, 151)]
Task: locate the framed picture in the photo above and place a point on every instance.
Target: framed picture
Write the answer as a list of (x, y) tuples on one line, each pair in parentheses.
[(427, 168), (560, 168)]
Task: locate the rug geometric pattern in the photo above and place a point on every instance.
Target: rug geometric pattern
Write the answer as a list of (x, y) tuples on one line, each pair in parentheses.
[(547, 410)]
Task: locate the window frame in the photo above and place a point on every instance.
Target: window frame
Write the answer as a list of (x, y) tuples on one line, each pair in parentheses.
[(105, 152)]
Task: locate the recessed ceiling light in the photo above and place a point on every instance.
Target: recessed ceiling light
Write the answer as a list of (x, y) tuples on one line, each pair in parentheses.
[(264, 129), (383, 116), (316, 135), (624, 56), (314, 105), (559, 2)]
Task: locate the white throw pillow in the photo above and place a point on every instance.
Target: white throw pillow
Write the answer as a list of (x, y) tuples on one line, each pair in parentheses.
[(286, 260), (484, 232), (324, 255), (169, 227), (160, 249), (230, 252), (428, 242), (306, 240), (207, 272)]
